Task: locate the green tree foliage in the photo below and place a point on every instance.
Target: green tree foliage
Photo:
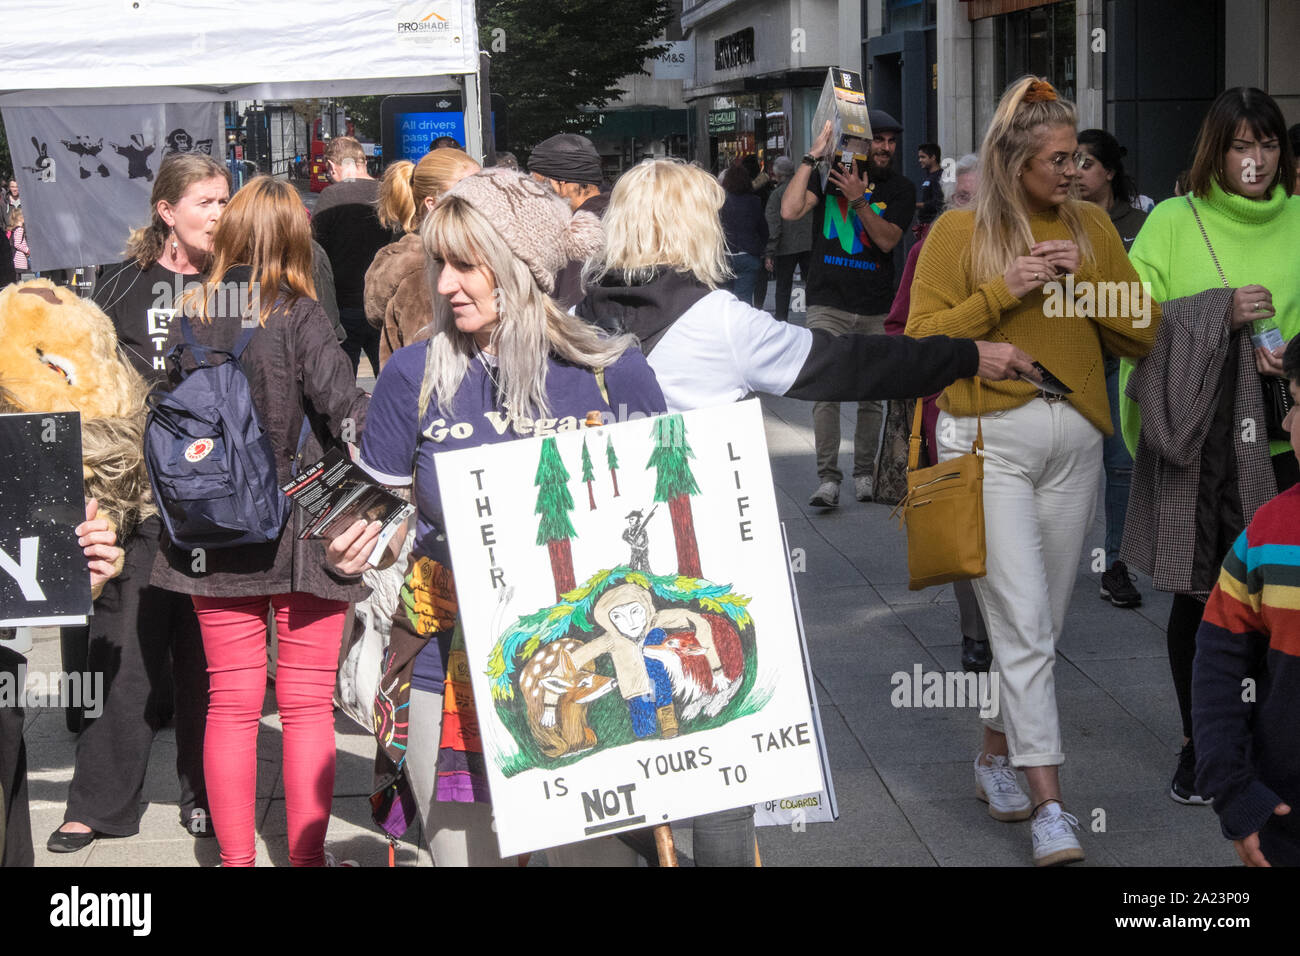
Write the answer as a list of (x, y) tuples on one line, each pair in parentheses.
[(610, 457), (588, 473), (364, 113), (550, 59), (671, 458), (553, 499)]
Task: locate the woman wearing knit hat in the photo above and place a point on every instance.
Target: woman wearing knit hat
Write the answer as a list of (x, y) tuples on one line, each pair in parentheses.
[(994, 271), (398, 296), (500, 351)]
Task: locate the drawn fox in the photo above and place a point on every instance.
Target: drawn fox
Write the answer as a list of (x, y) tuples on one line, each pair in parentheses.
[(556, 694)]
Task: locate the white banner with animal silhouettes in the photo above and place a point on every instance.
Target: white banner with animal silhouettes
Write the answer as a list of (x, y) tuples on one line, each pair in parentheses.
[(629, 624), (85, 172)]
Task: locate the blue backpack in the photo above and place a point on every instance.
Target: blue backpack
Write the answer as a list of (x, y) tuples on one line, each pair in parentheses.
[(211, 465)]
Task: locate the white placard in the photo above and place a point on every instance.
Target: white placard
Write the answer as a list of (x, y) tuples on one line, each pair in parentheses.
[(653, 561)]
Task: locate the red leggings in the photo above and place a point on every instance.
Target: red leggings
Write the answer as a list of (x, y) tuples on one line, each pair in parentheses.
[(309, 630)]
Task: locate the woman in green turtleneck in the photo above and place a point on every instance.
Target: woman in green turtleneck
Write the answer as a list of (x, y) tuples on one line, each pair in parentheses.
[(1241, 184)]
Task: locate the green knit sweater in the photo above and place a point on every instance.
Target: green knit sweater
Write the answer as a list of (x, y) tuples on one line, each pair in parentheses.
[(1257, 242)]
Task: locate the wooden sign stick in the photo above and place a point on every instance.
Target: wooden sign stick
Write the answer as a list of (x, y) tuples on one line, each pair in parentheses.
[(664, 844)]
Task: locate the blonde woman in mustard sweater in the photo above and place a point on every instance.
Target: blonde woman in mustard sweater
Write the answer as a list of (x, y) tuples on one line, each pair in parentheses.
[(1026, 267)]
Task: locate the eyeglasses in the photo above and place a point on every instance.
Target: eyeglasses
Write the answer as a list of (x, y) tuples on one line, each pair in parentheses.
[(1058, 161)]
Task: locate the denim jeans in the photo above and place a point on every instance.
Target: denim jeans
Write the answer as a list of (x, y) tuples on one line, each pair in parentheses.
[(746, 268), (1118, 465)]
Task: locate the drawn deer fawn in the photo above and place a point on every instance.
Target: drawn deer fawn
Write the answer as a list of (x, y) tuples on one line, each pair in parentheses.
[(556, 694)]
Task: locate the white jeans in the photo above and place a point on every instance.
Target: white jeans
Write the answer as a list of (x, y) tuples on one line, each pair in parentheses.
[(1041, 466)]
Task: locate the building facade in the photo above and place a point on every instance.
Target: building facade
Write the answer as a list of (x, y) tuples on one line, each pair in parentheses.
[(758, 69)]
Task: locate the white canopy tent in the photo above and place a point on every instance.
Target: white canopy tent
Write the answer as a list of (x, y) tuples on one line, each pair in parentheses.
[(145, 53), (115, 52)]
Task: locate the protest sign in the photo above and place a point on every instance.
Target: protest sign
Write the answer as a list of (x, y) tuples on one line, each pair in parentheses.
[(43, 576), (629, 628)]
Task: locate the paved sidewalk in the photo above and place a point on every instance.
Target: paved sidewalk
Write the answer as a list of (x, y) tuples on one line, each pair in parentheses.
[(902, 776)]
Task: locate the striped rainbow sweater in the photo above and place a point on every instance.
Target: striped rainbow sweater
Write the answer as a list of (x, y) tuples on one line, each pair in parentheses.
[(1248, 743)]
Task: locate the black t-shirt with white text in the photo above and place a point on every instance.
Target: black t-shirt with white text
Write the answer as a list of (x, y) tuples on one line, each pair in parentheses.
[(140, 303), (848, 272)]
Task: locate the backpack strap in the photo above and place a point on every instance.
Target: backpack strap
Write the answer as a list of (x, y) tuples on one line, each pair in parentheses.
[(187, 330), (245, 337)]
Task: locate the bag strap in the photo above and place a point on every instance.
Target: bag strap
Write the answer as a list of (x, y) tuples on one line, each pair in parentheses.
[(245, 337), (914, 443), (1204, 235)]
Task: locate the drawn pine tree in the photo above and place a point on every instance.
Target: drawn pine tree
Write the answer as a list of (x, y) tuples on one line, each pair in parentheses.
[(588, 474), (612, 460), (675, 484), (554, 504)]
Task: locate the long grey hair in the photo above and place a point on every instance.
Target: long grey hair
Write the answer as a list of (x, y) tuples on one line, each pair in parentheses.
[(532, 325)]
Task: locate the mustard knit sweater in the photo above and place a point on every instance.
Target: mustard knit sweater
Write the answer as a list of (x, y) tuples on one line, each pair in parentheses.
[(1065, 325)]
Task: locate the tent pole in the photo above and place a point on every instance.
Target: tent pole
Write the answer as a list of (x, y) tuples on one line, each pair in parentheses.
[(473, 116)]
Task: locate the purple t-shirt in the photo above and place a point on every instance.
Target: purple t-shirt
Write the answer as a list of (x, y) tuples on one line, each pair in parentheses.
[(396, 444)]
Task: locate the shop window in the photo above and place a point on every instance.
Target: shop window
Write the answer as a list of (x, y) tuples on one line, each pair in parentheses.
[(1040, 41), (908, 15)]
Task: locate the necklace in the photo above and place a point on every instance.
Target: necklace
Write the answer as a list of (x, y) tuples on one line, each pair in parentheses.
[(498, 391)]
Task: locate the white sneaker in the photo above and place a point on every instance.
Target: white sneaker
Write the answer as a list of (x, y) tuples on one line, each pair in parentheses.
[(997, 786), (1054, 839), (827, 495), (864, 487)]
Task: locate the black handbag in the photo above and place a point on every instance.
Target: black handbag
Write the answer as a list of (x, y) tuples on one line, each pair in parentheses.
[(1277, 391)]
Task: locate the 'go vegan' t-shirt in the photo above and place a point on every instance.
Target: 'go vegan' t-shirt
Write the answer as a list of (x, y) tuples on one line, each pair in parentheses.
[(847, 271), (397, 445)]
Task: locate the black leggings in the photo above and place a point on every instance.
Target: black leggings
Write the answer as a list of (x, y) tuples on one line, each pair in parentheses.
[(145, 642), (1185, 615)]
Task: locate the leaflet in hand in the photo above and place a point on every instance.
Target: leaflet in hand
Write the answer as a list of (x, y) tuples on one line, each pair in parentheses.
[(335, 493)]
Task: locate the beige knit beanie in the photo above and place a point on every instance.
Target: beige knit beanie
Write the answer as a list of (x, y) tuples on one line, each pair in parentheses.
[(534, 222)]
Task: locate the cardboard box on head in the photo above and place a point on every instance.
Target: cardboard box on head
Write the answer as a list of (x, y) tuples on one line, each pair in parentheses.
[(844, 103)]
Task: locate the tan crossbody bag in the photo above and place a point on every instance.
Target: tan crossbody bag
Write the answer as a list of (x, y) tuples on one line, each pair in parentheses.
[(944, 511)]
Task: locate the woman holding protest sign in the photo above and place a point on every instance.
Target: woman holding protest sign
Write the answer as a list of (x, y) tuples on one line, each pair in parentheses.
[(500, 351), (992, 271), (145, 639), (296, 370)]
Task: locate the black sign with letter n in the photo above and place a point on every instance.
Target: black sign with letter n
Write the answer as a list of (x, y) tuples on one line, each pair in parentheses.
[(43, 576)]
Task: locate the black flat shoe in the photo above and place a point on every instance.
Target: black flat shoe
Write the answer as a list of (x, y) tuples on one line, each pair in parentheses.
[(976, 657), (202, 831), (61, 842)]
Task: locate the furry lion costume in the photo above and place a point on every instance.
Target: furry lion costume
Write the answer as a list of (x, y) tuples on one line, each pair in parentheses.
[(60, 354)]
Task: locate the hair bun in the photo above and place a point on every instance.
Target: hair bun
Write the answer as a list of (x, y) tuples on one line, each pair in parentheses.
[(1040, 91), (584, 235)]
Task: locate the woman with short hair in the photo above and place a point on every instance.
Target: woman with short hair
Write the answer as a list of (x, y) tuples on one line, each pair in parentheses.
[(994, 271), (661, 277)]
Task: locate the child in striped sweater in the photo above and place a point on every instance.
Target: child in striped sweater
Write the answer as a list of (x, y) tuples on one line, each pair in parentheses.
[(1246, 677)]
